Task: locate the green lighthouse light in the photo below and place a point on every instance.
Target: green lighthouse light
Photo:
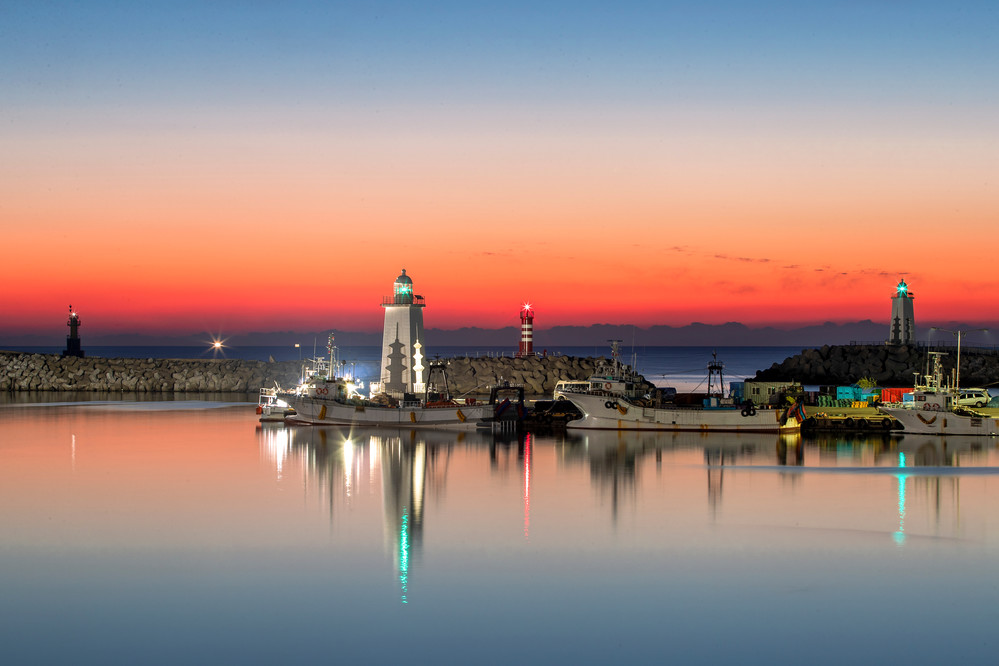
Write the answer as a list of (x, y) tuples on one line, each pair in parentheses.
[(403, 288)]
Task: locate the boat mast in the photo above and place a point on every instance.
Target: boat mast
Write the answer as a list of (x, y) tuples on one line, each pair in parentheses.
[(616, 355), (332, 350), (716, 367), (934, 371)]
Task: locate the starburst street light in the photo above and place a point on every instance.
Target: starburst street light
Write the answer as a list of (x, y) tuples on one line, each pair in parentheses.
[(217, 345)]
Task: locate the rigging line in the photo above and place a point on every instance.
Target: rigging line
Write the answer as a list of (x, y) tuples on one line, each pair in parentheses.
[(687, 372)]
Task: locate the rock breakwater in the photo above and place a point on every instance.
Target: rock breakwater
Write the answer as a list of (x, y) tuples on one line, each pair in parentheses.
[(887, 365), (467, 375), (538, 374), (47, 372)]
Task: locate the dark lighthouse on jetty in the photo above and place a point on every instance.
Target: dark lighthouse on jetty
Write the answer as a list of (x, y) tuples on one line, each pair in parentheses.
[(73, 339)]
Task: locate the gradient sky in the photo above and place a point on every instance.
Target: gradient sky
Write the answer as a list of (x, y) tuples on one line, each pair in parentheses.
[(256, 166)]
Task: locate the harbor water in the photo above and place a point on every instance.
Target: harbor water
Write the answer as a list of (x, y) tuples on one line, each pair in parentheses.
[(183, 531)]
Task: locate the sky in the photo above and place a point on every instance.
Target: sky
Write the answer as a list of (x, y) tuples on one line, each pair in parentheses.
[(271, 166)]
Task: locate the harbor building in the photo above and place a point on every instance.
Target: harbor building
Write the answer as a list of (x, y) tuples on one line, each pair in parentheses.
[(902, 328), (402, 340)]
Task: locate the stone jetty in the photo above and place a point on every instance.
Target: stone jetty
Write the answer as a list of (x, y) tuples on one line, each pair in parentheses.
[(538, 374), (48, 372), (466, 375), (889, 366)]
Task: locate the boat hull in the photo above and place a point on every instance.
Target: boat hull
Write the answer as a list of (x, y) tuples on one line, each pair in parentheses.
[(319, 411), (275, 414), (601, 412), (935, 422)]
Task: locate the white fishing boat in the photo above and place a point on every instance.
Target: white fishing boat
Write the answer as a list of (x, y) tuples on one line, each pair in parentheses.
[(611, 376), (334, 400), (272, 407), (607, 412), (604, 409), (935, 409)]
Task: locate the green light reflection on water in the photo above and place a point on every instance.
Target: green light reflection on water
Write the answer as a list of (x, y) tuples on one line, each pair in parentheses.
[(899, 536), (404, 555)]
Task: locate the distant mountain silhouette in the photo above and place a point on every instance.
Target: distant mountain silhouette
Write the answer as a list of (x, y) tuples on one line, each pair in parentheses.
[(695, 334)]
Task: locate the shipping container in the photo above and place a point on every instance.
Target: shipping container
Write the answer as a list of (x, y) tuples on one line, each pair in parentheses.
[(848, 393), (894, 394)]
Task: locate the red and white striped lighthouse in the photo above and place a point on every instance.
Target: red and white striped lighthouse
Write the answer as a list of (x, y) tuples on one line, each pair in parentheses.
[(526, 331)]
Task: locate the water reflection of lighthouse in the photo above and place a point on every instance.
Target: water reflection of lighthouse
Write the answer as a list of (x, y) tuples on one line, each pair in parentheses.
[(333, 462), (404, 477)]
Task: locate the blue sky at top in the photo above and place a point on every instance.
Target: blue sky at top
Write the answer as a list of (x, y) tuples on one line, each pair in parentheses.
[(364, 53)]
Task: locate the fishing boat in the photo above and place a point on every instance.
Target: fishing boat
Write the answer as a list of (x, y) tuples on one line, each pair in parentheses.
[(607, 412), (604, 409), (610, 376), (935, 409), (271, 406), (336, 400)]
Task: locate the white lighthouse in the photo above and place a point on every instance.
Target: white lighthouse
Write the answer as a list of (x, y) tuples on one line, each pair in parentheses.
[(902, 328), (402, 339)]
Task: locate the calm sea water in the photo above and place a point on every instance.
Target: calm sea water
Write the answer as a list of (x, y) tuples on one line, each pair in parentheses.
[(183, 531), (682, 367)]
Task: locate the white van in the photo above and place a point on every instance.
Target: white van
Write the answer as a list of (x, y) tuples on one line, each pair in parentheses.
[(974, 397)]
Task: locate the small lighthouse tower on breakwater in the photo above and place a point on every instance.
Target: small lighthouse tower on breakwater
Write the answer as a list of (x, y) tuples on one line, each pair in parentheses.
[(902, 328), (73, 339), (402, 339), (526, 331)]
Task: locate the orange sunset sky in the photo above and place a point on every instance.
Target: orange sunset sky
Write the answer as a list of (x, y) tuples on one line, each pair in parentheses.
[(180, 167)]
